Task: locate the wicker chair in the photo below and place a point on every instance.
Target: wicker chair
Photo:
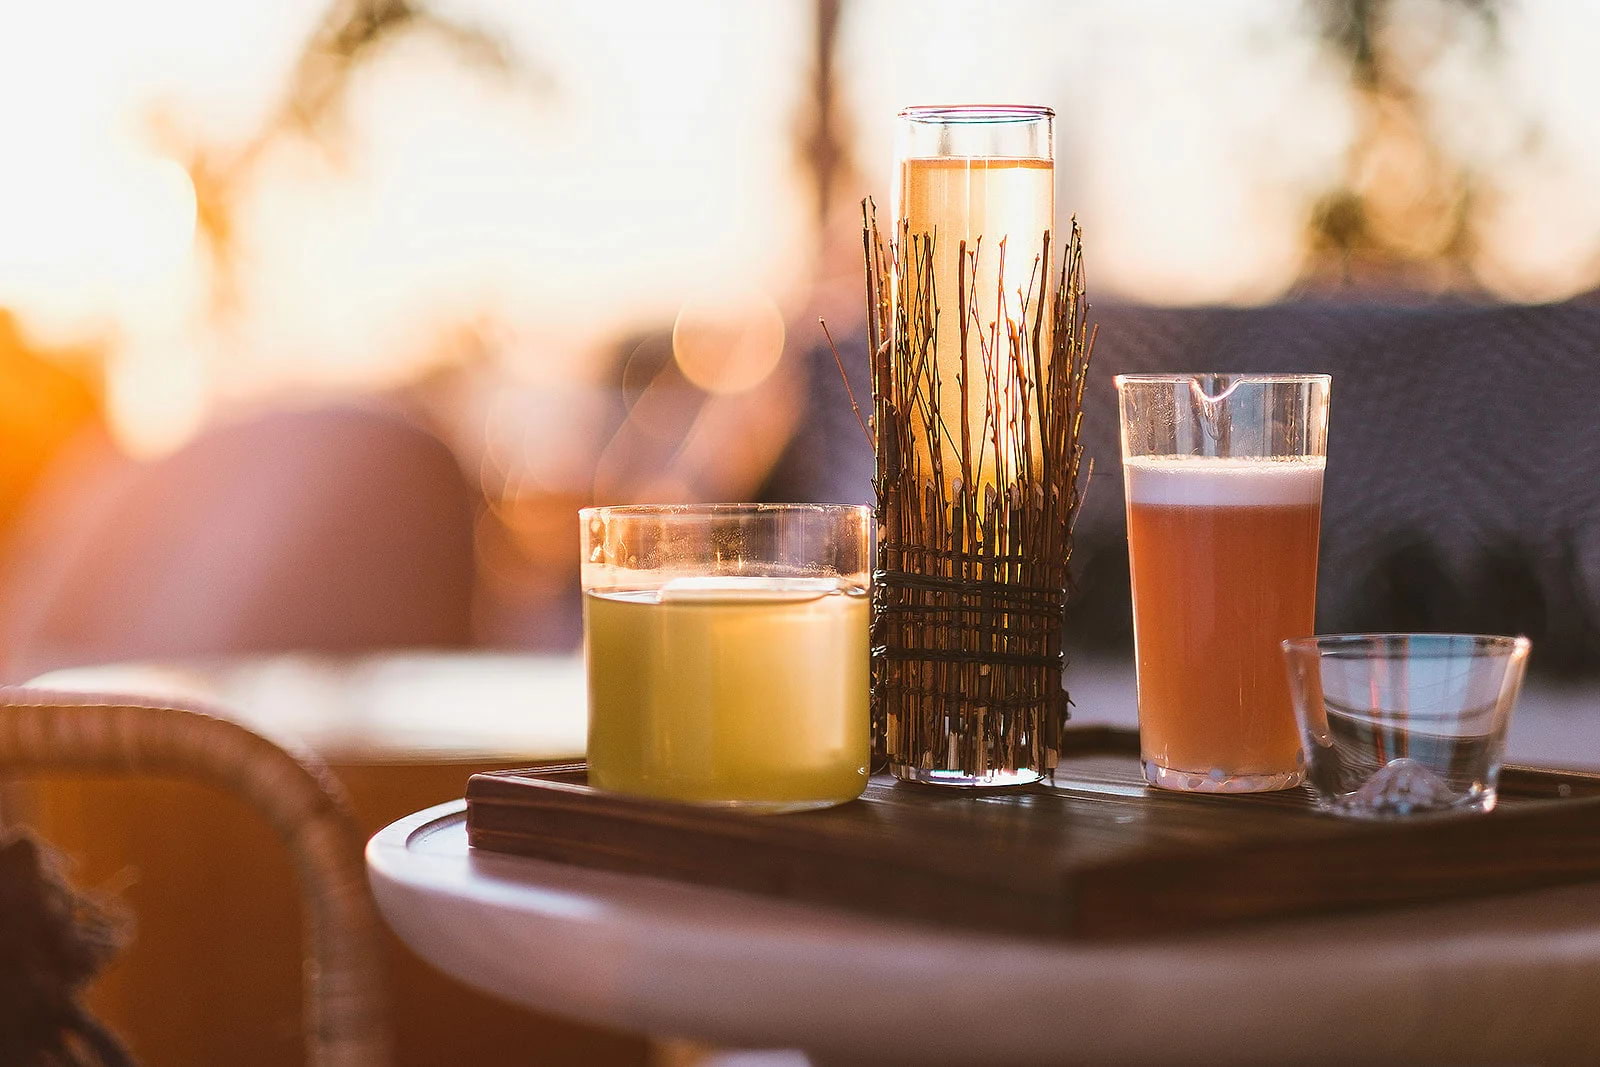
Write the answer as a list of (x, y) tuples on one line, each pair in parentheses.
[(50, 732)]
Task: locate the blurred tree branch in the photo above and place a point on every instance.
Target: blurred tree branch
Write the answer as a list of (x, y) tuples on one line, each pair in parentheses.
[(822, 133), (1404, 208), (353, 30), (349, 34)]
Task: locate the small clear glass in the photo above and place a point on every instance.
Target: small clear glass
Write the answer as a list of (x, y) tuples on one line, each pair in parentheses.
[(727, 652), (1404, 724)]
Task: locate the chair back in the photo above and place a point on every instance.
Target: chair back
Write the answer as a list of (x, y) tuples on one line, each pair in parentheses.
[(44, 732)]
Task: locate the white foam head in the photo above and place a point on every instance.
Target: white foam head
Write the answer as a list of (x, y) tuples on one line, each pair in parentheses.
[(1212, 481)]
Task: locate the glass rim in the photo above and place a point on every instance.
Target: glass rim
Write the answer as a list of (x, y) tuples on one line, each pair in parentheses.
[(1518, 645), (973, 114), (721, 510), (1255, 379)]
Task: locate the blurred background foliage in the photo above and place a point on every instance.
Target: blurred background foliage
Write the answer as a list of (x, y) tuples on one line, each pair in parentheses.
[(588, 244)]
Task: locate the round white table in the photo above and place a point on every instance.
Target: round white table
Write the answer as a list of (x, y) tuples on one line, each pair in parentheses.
[(1505, 980)]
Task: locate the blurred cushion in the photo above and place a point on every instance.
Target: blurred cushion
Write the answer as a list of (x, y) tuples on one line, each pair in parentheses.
[(1463, 484), (338, 529)]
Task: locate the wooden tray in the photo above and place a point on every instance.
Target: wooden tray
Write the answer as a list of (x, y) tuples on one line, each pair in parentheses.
[(1095, 855)]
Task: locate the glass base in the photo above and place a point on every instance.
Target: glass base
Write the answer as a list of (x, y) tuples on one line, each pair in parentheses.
[(1215, 781), (1400, 789), (994, 780), (1355, 808)]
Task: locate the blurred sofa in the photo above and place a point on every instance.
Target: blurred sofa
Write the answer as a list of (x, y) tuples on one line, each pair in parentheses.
[(1463, 484)]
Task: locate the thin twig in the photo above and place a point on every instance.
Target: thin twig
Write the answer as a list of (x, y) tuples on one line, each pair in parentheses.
[(971, 584), (849, 390)]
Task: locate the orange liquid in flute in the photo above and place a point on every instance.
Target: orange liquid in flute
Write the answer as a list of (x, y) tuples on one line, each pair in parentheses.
[(1223, 559), (1005, 206)]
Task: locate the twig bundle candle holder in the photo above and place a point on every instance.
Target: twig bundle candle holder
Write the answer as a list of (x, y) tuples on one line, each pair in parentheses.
[(978, 371)]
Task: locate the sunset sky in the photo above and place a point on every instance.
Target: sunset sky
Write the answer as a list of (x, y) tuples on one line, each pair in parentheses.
[(649, 160)]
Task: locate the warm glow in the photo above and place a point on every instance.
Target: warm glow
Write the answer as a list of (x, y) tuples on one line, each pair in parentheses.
[(75, 241), (728, 342), (571, 217), (155, 396), (651, 155), (568, 215)]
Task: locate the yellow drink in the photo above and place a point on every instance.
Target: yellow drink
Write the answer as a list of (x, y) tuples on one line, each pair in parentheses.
[(737, 690)]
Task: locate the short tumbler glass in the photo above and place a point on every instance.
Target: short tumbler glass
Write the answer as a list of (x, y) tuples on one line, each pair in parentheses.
[(727, 649), (1404, 724)]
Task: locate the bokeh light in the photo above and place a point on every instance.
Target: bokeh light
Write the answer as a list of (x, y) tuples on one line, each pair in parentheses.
[(728, 341)]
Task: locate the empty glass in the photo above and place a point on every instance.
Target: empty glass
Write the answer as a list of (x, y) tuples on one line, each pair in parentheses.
[(1404, 724)]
